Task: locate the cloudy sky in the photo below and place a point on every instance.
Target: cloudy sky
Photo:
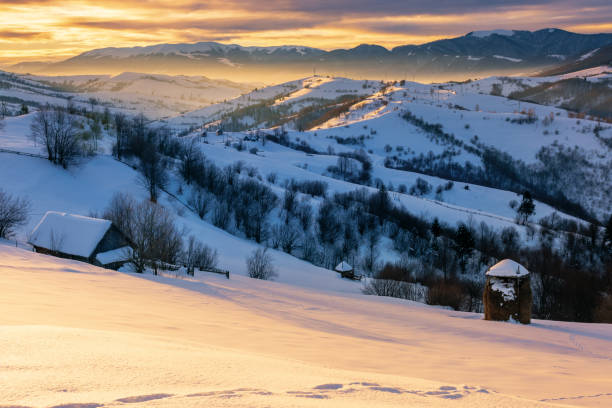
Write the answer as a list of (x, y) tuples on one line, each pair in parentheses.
[(55, 29)]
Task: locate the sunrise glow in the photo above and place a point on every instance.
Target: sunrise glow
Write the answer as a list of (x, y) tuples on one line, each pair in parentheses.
[(41, 30)]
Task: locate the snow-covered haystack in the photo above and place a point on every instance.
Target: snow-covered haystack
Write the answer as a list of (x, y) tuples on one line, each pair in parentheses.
[(345, 270), (507, 294)]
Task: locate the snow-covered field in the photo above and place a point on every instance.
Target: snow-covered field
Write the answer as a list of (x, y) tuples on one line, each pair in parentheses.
[(74, 335)]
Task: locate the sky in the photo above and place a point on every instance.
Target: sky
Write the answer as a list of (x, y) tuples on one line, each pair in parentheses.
[(44, 30)]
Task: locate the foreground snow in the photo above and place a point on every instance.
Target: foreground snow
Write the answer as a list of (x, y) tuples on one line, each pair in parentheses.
[(74, 335)]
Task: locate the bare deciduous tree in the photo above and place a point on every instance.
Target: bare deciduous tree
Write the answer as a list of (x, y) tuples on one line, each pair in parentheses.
[(198, 255), (150, 227), (201, 202), (13, 213), (121, 126), (259, 265), (56, 129), (153, 171)]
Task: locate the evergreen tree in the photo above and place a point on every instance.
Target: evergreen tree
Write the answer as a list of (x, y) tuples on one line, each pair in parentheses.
[(526, 209), (464, 245), (24, 109), (436, 229)]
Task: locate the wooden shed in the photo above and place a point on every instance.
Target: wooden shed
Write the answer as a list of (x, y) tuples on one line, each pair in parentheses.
[(93, 240), (507, 294)]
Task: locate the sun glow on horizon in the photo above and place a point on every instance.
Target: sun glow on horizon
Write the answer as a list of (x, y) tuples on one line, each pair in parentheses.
[(47, 30)]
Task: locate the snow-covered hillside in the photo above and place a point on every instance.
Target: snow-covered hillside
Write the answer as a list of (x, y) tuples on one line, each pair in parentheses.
[(293, 96), (157, 96), (74, 335), (154, 95), (89, 187), (475, 116)]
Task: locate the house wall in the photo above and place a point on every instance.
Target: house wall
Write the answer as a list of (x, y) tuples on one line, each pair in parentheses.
[(59, 254), (113, 239)]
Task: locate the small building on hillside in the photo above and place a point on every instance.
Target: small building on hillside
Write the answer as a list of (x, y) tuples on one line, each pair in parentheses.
[(507, 294), (93, 240), (345, 270)]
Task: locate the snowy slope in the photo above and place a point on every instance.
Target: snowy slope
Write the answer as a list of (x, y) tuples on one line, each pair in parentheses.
[(74, 335), (156, 96), (88, 189), (294, 94), (469, 112)]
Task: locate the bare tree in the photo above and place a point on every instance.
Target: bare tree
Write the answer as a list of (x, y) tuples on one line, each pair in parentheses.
[(286, 236), (93, 102), (192, 161), (259, 265), (150, 227), (13, 213), (199, 255), (201, 202), (121, 126), (4, 111), (372, 239), (56, 129), (221, 215), (153, 171)]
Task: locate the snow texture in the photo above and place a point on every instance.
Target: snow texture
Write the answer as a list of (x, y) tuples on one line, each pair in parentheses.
[(343, 267), (504, 287), (147, 340), (115, 255), (69, 233), (507, 269)]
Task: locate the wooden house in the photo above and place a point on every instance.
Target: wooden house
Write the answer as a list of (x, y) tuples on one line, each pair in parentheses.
[(93, 240)]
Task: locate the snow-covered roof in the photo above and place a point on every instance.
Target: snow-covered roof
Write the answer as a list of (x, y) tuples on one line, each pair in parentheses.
[(344, 267), (507, 269), (115, 255), (68, 233)]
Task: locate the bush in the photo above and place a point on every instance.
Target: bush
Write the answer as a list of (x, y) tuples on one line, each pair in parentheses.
[(199, 255), (392, 288), (314, 188), (421, 187), (13, 213), (259, 265), (445, 293)]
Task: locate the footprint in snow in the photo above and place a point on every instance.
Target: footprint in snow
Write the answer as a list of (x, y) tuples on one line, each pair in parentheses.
[(141, 398)]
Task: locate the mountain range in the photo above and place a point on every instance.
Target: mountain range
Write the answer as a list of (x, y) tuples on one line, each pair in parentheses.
[(475, 54)]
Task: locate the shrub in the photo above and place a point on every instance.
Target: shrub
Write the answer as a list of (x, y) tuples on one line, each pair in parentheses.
[(445, 293), (259, 265)]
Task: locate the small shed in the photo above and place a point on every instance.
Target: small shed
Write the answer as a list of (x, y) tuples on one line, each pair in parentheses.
[(345, 270), (507, 294), (93, 240)]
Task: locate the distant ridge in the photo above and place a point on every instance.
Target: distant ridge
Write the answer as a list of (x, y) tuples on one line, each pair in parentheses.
[(477, 53)]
